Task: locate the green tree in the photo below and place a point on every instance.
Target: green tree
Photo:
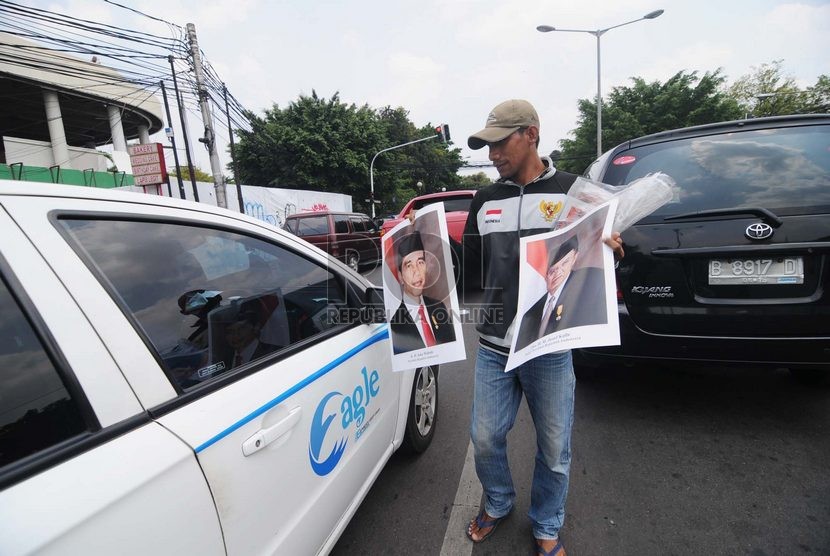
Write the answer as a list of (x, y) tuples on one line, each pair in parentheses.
[(326, 145), (475, 181), (200, 174), (767, 92), (644, 108), (314, 143)]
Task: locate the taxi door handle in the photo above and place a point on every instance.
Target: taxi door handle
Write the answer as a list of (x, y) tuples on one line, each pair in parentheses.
[(264, 437)]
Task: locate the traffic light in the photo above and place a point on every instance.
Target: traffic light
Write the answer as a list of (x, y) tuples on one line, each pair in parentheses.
[(443, 132)]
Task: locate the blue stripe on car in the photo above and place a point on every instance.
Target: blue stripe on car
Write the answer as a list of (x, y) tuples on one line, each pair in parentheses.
[(381, 334)]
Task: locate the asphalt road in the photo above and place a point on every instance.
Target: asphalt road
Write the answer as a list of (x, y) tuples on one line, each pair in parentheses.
[(665, 461)]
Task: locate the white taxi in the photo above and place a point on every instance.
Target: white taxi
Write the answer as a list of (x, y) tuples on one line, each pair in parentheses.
[(181, 379)]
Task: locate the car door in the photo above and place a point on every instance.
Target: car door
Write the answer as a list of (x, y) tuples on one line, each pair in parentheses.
[(342, 244), (82, 467), (289, 436), (366, 237)]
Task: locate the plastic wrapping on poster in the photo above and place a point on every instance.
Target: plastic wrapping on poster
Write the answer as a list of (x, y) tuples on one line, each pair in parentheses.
[(635, 200)]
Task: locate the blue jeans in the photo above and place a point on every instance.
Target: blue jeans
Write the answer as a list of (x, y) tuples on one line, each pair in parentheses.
[(548, 384)]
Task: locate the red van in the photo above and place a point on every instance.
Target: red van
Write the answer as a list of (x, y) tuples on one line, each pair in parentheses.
[(351, 237)]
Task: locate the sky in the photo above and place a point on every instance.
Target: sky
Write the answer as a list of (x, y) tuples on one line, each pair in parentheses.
[(451, 61)]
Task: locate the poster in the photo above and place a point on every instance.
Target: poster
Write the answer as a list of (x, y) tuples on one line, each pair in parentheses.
[(419, 292), (567, 289)]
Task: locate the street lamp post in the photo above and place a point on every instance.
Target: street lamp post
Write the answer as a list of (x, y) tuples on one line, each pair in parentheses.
[(372, 167), (598, 33), (759, 97)]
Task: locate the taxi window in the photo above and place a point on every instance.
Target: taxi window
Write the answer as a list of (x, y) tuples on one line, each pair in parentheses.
[(36, 408), (207, 300)]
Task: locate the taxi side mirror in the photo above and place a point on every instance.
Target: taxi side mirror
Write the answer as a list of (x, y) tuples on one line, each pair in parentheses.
[(372, 310)]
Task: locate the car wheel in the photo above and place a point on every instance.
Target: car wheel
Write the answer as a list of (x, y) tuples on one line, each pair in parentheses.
[(423, 410), (352, 261)]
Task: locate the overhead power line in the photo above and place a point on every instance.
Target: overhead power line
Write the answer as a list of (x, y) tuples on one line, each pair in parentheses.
[(139, 58), (143, 14)]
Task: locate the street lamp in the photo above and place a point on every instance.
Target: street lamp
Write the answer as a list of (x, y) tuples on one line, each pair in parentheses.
[(441, 132), (777, 108), (762, 96), (598, 33)]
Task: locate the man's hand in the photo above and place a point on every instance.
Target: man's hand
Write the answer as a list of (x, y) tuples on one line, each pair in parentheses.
[(411, 217), (615, 242)]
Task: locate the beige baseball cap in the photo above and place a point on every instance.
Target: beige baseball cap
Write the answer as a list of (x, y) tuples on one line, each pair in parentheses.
[(503, 120)]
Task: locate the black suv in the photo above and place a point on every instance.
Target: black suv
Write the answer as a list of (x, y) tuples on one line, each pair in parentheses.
[(736, 268)]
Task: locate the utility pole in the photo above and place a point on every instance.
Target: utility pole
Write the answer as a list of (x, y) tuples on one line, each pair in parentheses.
[(184, 132), (210, 137), (173, 143), (236, 177)]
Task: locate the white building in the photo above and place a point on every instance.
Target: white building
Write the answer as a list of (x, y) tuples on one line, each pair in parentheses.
[(58, 108)]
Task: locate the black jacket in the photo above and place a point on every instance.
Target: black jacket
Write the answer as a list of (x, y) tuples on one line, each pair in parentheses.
[(491, 244)]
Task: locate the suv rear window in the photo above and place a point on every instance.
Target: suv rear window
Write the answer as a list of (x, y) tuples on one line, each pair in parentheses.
[(341, 224), (312, 226), (450, 203), (786, 170)]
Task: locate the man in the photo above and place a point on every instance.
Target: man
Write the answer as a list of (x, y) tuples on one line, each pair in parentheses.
[(518, 204), (573, 298), (242, 336), (420, 321)]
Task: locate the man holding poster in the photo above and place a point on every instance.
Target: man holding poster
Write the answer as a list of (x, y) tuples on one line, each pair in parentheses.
[(525, 201)]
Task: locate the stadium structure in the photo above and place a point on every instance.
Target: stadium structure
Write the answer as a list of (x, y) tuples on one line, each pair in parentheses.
[(57, 110)]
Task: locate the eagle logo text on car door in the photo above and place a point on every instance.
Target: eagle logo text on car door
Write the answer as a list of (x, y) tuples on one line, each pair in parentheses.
[(335, 416)]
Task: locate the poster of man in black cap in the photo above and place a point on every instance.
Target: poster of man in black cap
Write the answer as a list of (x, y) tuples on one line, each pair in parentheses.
[(566, 280), (419, 292)]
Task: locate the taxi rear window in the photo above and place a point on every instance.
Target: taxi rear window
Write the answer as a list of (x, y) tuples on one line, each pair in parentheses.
[(207, 300)]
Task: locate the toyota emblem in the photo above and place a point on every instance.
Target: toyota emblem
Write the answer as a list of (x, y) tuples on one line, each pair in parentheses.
[(759, 230)]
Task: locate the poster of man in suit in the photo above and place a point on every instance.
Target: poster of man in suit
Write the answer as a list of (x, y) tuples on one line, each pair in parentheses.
[(567, 296), (245, 333), (419, 292)]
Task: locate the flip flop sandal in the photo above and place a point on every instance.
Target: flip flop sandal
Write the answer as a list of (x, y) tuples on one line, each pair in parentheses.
[(552, 552), (484, 524)]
